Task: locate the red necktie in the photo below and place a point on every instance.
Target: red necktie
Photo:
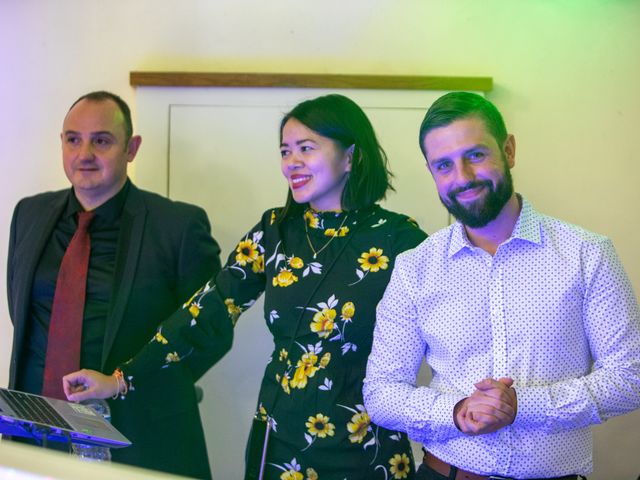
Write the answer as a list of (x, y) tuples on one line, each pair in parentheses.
[(65, 326)]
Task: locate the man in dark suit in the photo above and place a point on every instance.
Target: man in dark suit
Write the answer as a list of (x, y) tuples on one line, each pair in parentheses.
[(148, 255)]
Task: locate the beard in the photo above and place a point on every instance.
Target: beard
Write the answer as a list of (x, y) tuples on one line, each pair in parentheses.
[(484, 210)]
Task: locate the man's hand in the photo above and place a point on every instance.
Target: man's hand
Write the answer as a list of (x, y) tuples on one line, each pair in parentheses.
[(85, 384), (491, 407)]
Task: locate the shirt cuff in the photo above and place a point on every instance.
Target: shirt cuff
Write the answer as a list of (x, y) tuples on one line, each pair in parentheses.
[(532, 406), (431, 422)]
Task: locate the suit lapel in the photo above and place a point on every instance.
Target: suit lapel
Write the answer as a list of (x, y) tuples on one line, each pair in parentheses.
[(134, 215)]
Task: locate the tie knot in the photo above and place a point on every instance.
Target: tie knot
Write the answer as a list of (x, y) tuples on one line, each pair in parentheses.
[(84, 219)]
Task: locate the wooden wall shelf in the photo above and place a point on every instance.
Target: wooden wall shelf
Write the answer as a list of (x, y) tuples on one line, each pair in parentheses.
[(293, 80)]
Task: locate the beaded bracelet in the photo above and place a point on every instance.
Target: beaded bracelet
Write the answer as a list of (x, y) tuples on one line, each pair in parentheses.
[(123, 389)]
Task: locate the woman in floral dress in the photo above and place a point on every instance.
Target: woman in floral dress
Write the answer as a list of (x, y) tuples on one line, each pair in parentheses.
[(322, 262)]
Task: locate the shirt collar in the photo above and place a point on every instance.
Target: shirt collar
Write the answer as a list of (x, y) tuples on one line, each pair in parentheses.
[(528, 225), (109, 211), (527, 228)]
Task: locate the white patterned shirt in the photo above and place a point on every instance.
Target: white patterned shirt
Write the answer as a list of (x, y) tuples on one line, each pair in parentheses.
[(553, 309)]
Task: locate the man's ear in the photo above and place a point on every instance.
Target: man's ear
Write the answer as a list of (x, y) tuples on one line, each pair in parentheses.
[(133, 146), (509, 150)]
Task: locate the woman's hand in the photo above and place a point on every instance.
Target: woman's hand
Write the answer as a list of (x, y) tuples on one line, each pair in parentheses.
[(85, 384)]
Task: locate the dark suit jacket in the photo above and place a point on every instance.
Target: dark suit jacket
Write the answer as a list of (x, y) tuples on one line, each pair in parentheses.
[(164, 253)]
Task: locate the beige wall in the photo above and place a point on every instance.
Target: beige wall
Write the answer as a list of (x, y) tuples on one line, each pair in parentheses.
[(567, 76)]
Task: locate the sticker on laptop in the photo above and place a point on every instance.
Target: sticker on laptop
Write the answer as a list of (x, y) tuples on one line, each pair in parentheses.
[(83, 409)]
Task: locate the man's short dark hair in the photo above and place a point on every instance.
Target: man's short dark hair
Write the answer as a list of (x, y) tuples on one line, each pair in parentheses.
[(101, 96), (458, 105), (343, 121)]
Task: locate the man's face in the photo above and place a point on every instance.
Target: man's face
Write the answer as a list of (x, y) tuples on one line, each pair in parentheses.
[(95, 152), (471, 171)]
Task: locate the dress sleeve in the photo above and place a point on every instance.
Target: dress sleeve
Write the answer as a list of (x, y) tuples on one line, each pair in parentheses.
[(407, 234), (203, 326), (198, 260)]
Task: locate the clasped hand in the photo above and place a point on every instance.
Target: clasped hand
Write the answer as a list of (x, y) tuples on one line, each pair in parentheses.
[(491, 407)]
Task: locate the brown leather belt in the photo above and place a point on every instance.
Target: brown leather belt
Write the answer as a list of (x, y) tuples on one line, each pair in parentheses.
[(443, 468)]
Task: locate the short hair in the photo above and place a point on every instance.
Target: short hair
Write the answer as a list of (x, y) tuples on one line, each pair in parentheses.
[(102, 96), (343, 121), (458, 105)]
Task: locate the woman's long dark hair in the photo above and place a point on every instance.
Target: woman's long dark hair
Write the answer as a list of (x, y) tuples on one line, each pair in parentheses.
[(343, 121)]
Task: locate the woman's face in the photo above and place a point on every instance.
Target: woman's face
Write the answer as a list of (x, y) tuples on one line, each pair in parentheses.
[(316, 167)]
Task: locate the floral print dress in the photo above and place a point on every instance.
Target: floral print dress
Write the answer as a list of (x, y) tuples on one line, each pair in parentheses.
[(322, 274)]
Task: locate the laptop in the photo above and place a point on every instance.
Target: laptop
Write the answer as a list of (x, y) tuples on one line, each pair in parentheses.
[(34, 416)]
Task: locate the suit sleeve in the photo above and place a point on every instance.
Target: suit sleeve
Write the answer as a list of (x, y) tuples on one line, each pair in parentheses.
[(12, 242), (199, 258)]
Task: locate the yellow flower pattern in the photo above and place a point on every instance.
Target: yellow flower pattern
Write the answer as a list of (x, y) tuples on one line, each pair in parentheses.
[(358, 427), (194, 310), (400, 466), (324, 361), (247, 252), (348, 310), (284, 382), (373, 260), (284, 278), (291, 475), (296, 262), (233, 310), (311, 219), (262, 412), (306, 368), (320, 426), (258, 265), (160, 338), (323, 322), (172, 357), (193, 297), (291, 471), (331, 232)]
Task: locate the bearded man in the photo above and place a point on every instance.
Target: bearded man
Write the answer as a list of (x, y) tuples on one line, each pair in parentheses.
[(529, 324)]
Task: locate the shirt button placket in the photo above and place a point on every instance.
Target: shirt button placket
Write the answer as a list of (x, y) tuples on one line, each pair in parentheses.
[(498, 322), (500, 350)]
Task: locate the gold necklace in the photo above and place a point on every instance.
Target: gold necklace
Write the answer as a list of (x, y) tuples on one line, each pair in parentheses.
[(317, 252)]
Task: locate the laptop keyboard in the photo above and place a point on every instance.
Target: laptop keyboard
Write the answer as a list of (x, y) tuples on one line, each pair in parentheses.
[(34, 408)]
